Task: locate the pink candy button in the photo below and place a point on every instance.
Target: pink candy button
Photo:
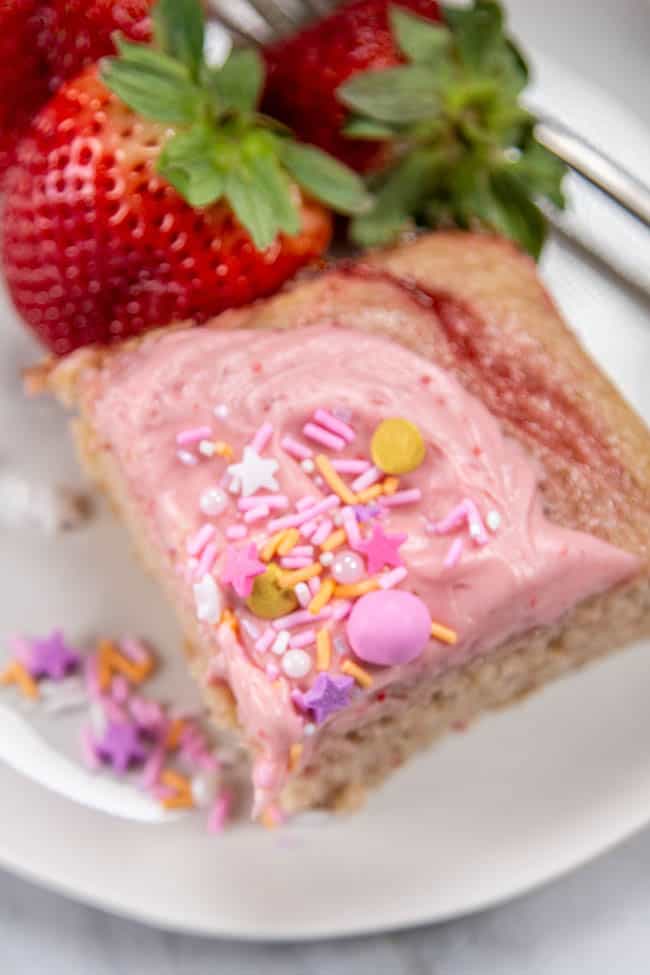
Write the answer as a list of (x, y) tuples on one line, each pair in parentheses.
[(389, 628)]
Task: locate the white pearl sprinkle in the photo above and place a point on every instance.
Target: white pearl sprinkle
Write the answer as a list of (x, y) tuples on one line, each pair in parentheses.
[(308, 465), (234, 486), (207, 448), (309, 729), (327, 558), (296, 663), (281, 642), (474, 529), (493, 520), (187, 458), (213, 501), (221, 411)]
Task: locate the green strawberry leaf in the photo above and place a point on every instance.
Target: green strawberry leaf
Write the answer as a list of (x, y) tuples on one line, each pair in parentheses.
[(152, 87), (273, 181), (400, 196), (238, 83), (189, 162), (502, 204), (541, 172), (179, 31), (420, 40), (252, 206), (325, 178), (361, 128), (399, 95)]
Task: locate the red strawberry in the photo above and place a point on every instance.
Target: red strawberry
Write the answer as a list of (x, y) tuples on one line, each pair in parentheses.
[(43, 42), (97, 246), (305, 70)]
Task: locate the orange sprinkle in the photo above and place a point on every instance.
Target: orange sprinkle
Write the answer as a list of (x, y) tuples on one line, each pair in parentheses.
[(390, 485), (290, 579), (323, 649), (442, 633), (223, 449), (271, 546), (270, 819), (356, 589), (295, 754), (361, 676), (336, 483), (335, 540), (135, 673), (228, 618), (322, 597), (16, 673), (370, 494), (290, 540), (179, 802), (174, 733), (174, 780)]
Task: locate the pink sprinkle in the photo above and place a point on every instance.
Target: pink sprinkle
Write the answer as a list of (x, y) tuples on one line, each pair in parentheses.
[(314, 585), (257, 514), (197, 543), (348, 466), (307, 502), (120, 689), (187, 437), (207, 561), (152, 768), (234, 532), (334, 425), (391, 579), (114, 711), (265, 641), (295, 562), (296, 449), (476, 526), (340, 609), (92, 679), (453, 555), (402, 497), (88, 751), (277, 501), (351, 526), (324, 531), (272, 672), (300, 616), (307, 530), (190, 568), (322, 436), (135, 650), (303, 550), (456, 517), (161, 792), (304, 639), (220, 812), (294, 521), (148, 714), (366, 480), (262, 437)]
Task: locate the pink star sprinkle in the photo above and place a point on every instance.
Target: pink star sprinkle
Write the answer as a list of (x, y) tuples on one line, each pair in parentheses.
[(242, 565), (381, 549)]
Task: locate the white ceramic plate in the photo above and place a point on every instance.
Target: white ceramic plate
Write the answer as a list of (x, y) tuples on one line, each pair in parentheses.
[(524, 796)]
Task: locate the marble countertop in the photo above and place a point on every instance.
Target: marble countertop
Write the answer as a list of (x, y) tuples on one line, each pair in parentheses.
[(595, 920)]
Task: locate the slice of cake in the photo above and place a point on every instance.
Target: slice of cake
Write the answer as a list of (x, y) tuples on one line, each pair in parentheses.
[(382, 502)]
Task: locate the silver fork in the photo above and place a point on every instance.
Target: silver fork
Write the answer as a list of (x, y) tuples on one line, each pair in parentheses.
[(261, 21)]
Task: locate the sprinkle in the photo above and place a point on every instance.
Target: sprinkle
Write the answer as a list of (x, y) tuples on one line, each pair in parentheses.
[(340, 609), (476, 526), (16, 673), (361, 676), (294, 521), (234, 532), (391, 579), (381, 549), (241, 568), (402, 497), (115, 661), (326, 558), (303, 594), (304, 639), (220, 813), (351, 526), (288, 541), (323, 649), (290, 579), (257, 514), (207, 561), (296, 664), (296, 449), (309, 730), (278, 502), (444, 634), (296, 561), (207, 600), (152, 768), (281, 642), (207, 448), (348, 466), (182, 797), (254, 472), (262, 437), (390, 485), (301, 616), (322, 436), (370, 494), (271, 547), (307, 502), (229, 619), (136, 650), (322, 597), (493, 520), (356, 589), (367, 479), (187, 458), (334, 481), (187, 437), (308, 465), (265, 641), (323, 532), (221, 411), (295, 754), (197, 543), (453, 555), (456, 517), (335, 541), (340, 646), (309, 528), (303, 550), (250, 628), (213, 501), (272, 672), (334, 425)]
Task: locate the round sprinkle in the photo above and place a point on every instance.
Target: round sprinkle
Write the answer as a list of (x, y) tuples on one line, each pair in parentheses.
[(281, 642), (207, 448), (327, 558), (267, 599), (348, 567), (308, 466), (309, 729), (397, 446), (493, 520), (221, 411), (213, 501), (187, 458), (296, 663), (389, 627)]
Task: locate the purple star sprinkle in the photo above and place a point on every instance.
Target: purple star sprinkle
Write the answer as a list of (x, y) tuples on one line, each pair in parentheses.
[(327, 695), (50, 657), (121, 746)]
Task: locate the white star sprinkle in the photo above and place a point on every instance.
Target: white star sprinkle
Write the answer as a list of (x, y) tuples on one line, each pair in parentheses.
[(254, 472)]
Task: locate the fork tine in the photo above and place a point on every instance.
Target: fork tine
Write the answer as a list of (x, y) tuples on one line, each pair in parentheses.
[(249, 29), (274, 15)]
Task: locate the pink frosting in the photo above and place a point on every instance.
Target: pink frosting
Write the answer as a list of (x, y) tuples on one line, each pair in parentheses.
[(526, 573)]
